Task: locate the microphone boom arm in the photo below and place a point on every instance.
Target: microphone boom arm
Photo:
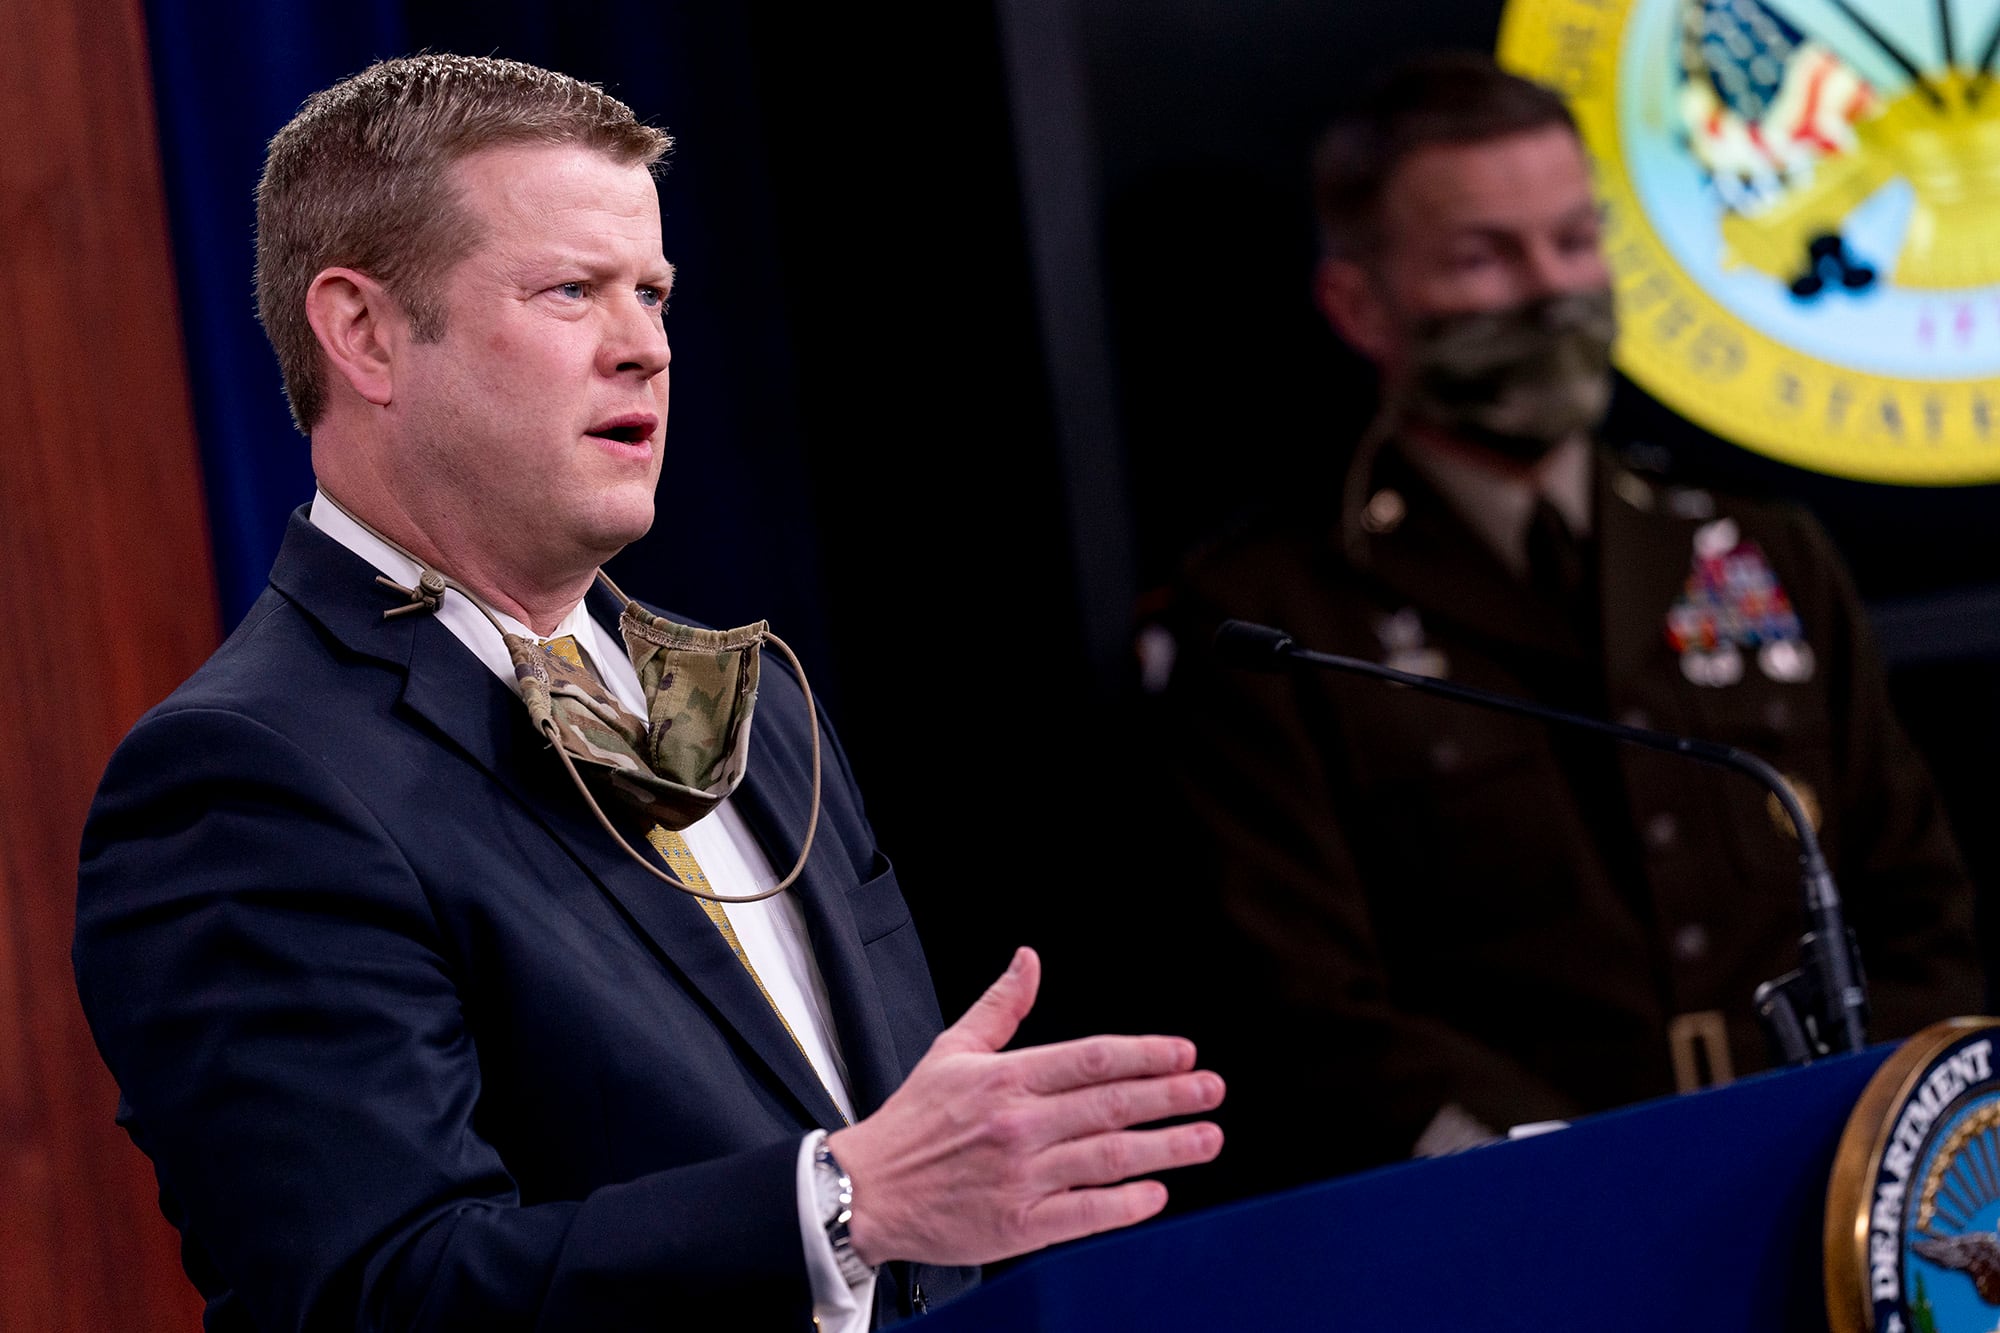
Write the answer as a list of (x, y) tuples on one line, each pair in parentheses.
[(1820, 1009)]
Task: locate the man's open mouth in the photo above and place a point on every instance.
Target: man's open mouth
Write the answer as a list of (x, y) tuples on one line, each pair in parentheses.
[(625, 430)]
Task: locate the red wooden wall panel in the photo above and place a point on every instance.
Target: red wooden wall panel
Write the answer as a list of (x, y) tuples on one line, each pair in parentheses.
[(106, 601)]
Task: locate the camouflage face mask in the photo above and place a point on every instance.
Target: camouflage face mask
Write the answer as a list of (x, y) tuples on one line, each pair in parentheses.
[(690, 750), (1520, 380), (677, 763)]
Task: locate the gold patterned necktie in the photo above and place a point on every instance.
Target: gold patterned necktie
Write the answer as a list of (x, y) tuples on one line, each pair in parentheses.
[(680, 858)]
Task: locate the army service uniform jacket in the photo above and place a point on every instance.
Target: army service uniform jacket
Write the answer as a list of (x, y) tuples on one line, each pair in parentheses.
[(1447, 906)]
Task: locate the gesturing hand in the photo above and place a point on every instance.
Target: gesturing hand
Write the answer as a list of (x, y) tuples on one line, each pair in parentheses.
[(983, 1154)]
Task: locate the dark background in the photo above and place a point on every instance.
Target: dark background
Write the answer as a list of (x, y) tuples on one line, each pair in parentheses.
[(984, 315)]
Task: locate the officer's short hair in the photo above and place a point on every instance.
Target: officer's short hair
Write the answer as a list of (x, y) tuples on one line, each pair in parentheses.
[(1443, 97)]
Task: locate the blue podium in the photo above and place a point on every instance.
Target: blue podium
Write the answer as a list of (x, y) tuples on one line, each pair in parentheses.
[(1698, 1212)]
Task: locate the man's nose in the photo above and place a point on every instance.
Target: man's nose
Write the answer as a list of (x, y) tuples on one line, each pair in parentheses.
[(1545, 271), (1549, 269), (637, 342)]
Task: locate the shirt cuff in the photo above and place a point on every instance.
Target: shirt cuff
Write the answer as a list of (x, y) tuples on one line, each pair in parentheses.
[(837, 1307)]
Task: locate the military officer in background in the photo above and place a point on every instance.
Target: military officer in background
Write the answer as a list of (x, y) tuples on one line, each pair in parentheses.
[(1454, 921)]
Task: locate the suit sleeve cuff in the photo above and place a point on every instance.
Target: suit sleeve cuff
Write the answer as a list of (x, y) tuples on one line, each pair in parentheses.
[(837, 1307)]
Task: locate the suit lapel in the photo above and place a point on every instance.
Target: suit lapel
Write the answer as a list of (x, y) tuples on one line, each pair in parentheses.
[(454, 693), (775, 799), (671, 917)]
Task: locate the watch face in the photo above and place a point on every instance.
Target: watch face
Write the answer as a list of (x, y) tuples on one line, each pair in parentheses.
[(831, 1185), (836, 1199)]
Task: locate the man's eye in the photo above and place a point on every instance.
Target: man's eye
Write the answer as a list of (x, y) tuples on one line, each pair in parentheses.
[(1585, 235), (574, 291), (653, 298)]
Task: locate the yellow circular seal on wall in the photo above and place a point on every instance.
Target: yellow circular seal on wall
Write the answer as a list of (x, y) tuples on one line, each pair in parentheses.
[(1802, 214)]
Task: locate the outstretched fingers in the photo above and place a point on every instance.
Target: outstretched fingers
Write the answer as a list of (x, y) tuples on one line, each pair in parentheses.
[(1087, 1184), (1078, 1213), (985, 1153), (992, 1020), (1108, 1159), (1108, 1107), (1090, 1061)]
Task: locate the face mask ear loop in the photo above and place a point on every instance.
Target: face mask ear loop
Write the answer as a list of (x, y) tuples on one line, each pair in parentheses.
[(426, 596), (431, 583), (812, 718), (649, 864), (616, 591)]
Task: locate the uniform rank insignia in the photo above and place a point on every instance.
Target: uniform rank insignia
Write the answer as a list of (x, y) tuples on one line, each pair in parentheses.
[(1732, 604)]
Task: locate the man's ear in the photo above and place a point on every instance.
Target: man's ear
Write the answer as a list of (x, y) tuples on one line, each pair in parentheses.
[(1347, 294), (360, 329)]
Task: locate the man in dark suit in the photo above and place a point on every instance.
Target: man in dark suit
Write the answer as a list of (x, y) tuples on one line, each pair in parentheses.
[(1474, 919), (425, 1029)]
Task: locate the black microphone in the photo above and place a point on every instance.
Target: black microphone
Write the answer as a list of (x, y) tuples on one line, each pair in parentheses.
[(1819, 1009)]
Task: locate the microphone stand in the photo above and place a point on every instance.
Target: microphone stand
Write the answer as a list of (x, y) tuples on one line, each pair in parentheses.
[(1818, 1009)]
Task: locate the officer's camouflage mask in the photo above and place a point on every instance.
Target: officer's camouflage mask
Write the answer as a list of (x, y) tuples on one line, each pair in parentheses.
[(692, 748), (1520, 380)]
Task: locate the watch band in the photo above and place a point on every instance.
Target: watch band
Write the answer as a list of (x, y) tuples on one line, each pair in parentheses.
[(836, 1193)]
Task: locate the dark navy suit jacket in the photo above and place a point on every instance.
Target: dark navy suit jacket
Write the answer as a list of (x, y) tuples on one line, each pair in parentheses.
[(412, 1044)]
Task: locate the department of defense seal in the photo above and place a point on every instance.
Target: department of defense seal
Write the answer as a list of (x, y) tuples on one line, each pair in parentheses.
[(1913, 1201), (1802, 216)]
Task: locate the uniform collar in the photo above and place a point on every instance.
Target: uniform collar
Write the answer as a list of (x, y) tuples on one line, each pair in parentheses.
[(1497, 505)]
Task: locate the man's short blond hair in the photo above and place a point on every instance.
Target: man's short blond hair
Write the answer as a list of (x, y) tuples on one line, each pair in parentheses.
[(361, 178)]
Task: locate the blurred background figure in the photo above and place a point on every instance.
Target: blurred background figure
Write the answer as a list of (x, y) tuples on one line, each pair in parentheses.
[(1455, 921)]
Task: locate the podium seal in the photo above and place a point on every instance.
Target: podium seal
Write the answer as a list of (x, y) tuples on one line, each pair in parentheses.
[(1913, 1201)]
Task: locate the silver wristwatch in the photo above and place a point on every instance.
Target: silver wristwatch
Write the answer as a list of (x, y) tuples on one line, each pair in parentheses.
[(836, 1210)]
